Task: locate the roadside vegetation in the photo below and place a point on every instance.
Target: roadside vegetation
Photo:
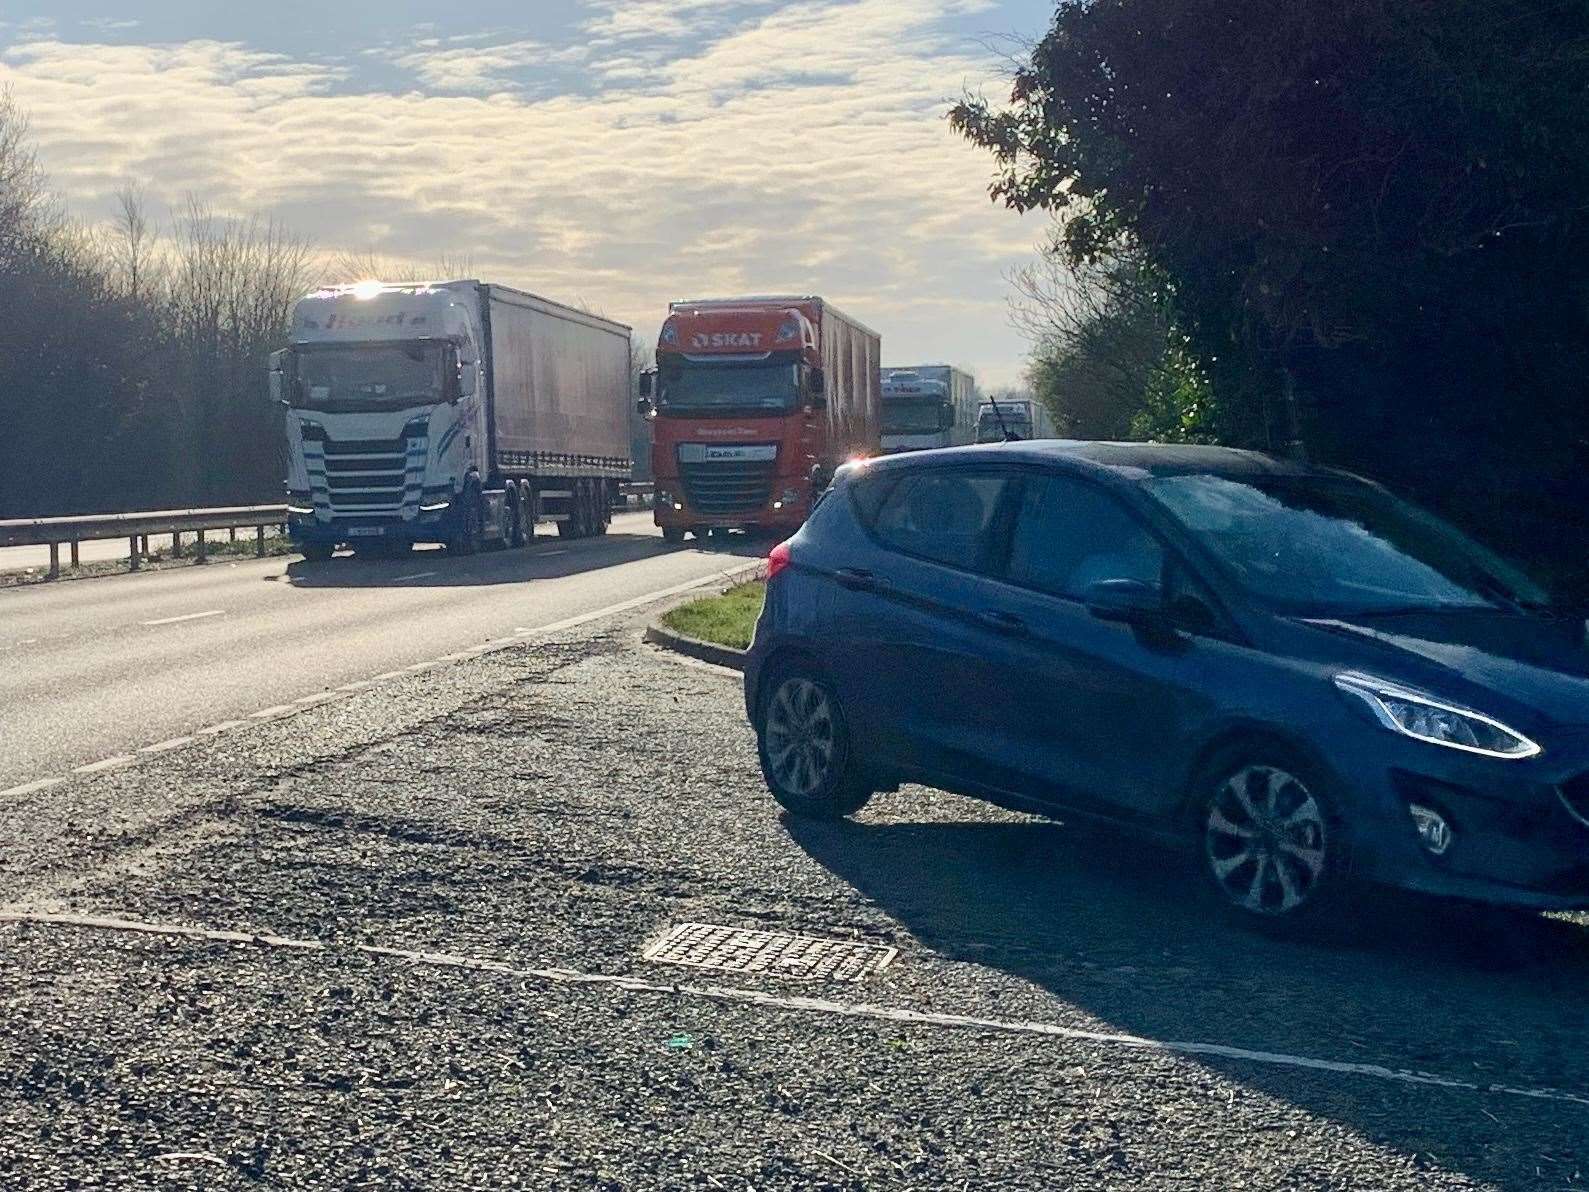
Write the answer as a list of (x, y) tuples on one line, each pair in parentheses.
[(728, 619), (1353, 232)]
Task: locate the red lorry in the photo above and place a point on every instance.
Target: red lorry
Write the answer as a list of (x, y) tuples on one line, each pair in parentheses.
[(756, 401)]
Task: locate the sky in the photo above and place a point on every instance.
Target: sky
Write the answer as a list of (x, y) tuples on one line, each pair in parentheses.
[(614, 153)]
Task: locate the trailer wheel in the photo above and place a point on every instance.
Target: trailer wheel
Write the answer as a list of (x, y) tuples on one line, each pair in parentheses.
[(673, 535), (317, 552), (601, 503), (575, 513), (518, 511)]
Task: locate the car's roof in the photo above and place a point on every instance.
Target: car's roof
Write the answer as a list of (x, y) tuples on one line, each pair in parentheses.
[(1125, 460)]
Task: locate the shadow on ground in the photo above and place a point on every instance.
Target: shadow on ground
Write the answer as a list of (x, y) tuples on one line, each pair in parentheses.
[(545, 558), (1124, 933)]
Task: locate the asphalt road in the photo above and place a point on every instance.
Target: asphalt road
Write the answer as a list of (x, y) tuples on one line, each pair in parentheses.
[(94, 670), (463, 870)]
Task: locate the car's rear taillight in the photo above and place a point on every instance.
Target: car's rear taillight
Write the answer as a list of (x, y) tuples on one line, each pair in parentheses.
[(778, 561)]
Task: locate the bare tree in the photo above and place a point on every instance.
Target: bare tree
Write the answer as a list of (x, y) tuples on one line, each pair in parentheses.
[(345, 268)]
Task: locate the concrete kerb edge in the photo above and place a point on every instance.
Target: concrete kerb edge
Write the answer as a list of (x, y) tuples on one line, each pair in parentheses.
[(659, 635), (691, 647)]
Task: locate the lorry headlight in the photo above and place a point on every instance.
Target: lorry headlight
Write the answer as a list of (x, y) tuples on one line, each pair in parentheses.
[(1424, 719), (301, 510), (436, 507)]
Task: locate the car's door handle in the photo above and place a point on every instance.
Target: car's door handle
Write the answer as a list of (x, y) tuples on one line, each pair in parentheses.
[(1006, 623), (858, 580)]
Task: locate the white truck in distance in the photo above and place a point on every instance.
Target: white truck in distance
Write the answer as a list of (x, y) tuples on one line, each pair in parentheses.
[(1013, 418), (451, 412), (909, 424)]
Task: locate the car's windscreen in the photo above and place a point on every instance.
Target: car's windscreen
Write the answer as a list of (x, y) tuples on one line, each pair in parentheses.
[(764, 385), (368, 376), (1322, 545), (912, 417)]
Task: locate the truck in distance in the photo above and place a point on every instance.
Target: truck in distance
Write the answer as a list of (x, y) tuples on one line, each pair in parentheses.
[(1008, 419), (453, 412), (756, 402), (926, 406)]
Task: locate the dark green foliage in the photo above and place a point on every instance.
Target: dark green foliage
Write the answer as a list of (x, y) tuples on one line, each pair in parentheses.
[(1374, 216)]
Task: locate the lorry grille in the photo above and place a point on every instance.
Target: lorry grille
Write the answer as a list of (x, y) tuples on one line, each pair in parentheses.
[(364, 477), (728, 487)]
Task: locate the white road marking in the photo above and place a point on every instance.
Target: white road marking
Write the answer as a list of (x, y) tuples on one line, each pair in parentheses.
[(795, 1003), (218, 612), (550, 554), (422, 575), (28, 788), (167, 746), (109, 763), (490, 647)]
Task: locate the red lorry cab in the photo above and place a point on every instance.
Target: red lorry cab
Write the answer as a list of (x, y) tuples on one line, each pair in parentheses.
[(757, 400)]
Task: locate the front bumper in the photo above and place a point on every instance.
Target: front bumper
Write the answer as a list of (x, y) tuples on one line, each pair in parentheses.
[(1518, 838), (674, 511), (353, 530)]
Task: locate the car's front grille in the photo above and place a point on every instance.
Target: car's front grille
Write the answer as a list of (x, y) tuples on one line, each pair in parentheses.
[(1575, 794), (721, 487)]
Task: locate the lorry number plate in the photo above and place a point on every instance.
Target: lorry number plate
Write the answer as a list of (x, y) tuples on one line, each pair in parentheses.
[(695, 453), (364, 531)]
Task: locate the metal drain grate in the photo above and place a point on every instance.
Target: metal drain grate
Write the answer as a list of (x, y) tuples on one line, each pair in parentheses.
[(734, 950)]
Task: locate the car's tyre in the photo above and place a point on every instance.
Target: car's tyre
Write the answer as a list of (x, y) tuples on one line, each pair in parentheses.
[(466, 538), (1270, 839), (317, 552), (601, 501), (804, 745), (673, 535)]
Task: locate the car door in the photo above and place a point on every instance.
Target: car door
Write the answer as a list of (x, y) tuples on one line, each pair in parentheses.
[(916, 659), (1094, 708)]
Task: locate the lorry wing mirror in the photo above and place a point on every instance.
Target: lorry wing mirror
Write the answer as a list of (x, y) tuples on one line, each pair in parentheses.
[(454, 385), (643, 407), (817, 385), (647, 386), (278, 378)]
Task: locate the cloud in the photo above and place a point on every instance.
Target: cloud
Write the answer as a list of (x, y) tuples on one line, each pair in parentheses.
[(453, 68), (798, 147)]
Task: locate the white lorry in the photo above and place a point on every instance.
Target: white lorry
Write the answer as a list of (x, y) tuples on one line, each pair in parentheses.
[(451, 412), (1001, 419), (909, 424)]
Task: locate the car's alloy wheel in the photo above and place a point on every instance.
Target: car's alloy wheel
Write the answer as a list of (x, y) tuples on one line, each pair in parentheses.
[(802, 733), (1267, 841), (805, 750)]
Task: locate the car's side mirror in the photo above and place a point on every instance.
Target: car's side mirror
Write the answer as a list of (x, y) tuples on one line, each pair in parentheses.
[(1127, 602)]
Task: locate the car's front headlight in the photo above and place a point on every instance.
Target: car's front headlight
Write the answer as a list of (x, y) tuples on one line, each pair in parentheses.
[(1425, 719)]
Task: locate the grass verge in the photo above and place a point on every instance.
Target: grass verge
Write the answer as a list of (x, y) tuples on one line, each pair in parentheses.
[(725, 620)]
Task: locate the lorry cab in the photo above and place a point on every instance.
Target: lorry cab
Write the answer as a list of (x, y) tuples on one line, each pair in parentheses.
[(918, 414), (756, 401), (385, 410)]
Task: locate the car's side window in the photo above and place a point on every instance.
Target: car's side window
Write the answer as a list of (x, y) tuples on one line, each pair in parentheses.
[(1070, 535), (947, 516)]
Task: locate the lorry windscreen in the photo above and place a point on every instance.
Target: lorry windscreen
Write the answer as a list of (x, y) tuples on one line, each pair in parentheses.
[(351, 377), (761, 385), (913, 417)]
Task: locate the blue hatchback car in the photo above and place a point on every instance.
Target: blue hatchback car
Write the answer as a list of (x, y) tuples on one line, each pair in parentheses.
[(1303, 674)]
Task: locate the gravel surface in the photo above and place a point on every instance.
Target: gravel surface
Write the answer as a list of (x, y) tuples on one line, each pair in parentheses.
[(562, 804)]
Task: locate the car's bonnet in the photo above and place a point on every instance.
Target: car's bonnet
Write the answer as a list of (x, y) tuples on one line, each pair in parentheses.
[(1539, 663)]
